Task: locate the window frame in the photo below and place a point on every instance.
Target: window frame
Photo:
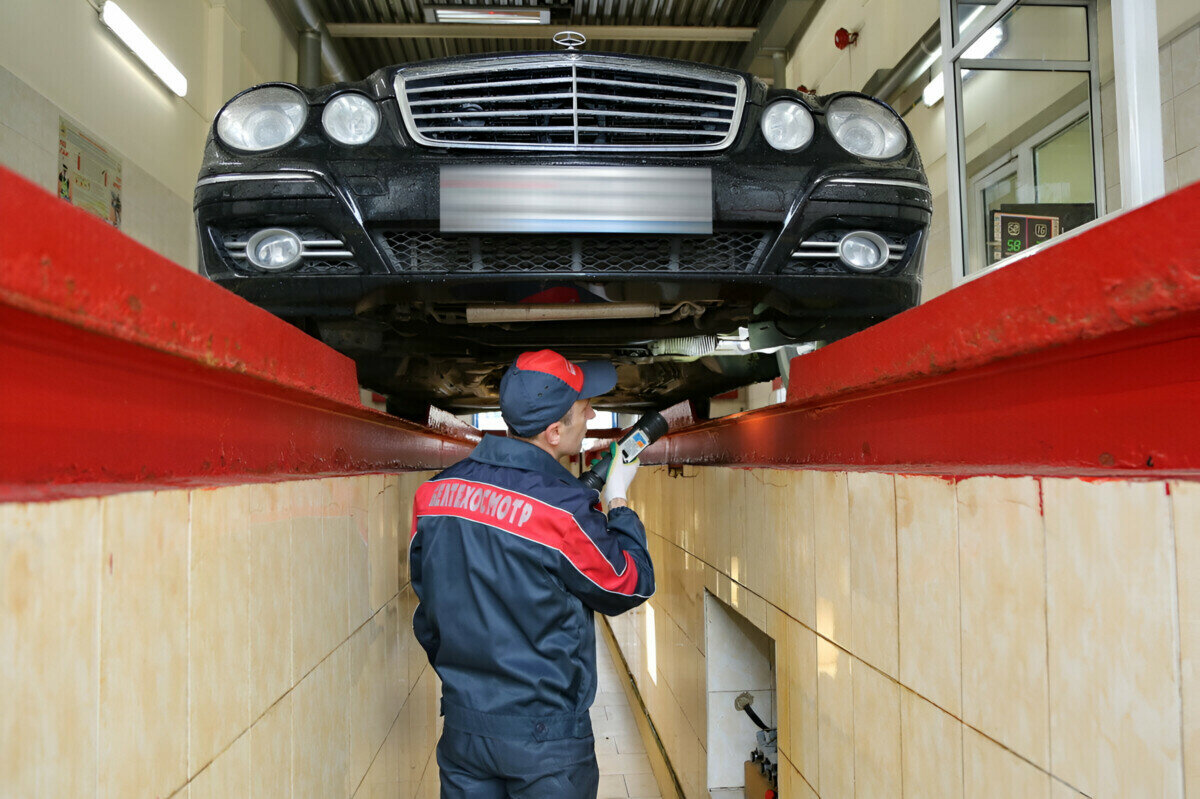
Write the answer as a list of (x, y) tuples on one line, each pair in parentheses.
[(1018, 161), (954, 63)]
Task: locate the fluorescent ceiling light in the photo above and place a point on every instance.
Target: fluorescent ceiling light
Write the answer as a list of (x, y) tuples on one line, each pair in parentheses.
[(962, 26), (935, 91), (982, 47), (987, 42), (129, 33), (488, 16)]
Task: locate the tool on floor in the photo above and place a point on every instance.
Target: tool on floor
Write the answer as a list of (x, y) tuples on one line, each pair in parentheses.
[(643, 433), (762, 769)]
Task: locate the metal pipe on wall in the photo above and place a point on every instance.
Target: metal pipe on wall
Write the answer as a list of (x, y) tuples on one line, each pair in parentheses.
[(779, 66), (302, 16), (309, 52)]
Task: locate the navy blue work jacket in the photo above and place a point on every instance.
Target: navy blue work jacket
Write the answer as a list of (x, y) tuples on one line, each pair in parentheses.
[(509, 556)]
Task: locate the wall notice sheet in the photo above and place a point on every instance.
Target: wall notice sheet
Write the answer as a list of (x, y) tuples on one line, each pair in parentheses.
[(89, 173)]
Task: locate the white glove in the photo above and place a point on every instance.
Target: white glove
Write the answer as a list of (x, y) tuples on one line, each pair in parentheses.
[(620, 475)]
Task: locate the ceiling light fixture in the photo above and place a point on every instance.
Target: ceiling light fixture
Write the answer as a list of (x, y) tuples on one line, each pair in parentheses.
[(488, 16), (139, 43), (982, 47)]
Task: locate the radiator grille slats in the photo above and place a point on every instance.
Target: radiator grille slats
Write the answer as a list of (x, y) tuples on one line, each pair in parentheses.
[(480, 98), (654, 87), (651, 100), (571, 102)]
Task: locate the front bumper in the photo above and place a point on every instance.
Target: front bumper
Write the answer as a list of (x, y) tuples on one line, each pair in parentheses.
[(388, 221)]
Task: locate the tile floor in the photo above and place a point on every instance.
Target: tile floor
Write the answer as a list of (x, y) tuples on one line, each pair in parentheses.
[(624, 768)]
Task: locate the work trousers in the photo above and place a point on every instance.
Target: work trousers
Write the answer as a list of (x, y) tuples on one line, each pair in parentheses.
[(477, 767)]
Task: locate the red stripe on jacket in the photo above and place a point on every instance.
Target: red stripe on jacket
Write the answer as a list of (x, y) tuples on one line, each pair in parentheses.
[(525, 517)]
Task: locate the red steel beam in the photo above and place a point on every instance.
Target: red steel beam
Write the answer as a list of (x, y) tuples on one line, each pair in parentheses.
[(188, 385), (1081, 359), (1136, 269), (61, 262)]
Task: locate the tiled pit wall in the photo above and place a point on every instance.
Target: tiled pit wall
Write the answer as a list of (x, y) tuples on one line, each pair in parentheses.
[(992, 637), (251, 641)]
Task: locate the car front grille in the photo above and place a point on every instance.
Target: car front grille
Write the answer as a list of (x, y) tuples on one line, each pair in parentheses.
[(728, 252), (571, 102)]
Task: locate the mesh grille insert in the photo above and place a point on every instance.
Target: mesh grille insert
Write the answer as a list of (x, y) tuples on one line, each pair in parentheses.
[(723, 252)]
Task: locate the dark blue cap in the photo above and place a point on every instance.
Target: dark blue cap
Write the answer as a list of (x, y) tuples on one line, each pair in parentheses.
[(540, 387)]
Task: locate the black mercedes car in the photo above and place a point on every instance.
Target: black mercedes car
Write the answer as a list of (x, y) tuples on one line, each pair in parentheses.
[(436, 219)]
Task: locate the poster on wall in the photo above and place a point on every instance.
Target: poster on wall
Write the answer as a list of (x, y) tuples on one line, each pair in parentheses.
[(89, 173)]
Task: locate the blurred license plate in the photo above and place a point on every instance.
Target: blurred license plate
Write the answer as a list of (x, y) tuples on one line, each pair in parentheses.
[(576, 199)]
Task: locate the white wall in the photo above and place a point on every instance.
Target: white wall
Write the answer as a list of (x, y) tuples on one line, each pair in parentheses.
[(57, 59), (887, 29)]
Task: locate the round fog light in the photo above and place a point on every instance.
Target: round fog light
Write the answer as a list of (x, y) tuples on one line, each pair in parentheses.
[(863, 251), (274, 249)]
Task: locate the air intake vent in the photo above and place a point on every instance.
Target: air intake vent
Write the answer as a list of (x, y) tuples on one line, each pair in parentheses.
[(571, 102), (730, 252)]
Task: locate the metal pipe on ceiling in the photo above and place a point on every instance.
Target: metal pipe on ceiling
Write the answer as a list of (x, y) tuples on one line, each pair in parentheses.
[(376, 30), (887, 84)]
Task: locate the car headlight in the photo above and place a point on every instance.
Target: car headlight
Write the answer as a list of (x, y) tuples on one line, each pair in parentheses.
[(866, 128), (262, 119), (350, 119), (787, 125)]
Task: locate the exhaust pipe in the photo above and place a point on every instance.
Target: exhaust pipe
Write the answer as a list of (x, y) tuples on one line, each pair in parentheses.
[(497, 314)]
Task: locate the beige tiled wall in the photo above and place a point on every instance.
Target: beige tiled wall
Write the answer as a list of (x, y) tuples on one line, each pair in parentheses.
[(988, 637), (251, 641), (1179, 89)]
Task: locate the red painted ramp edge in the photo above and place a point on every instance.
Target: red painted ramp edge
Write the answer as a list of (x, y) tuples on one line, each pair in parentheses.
[(122, 371), (61, 262), (1082, 359), (1131, 270)]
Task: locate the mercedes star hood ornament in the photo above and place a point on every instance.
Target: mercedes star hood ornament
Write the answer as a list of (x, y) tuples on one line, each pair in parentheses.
[(572, 40)]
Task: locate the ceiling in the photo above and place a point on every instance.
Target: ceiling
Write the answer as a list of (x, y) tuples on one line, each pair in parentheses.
[(365, 35)]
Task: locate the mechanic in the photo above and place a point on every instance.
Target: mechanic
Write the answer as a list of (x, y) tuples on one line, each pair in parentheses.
[(509, 557)]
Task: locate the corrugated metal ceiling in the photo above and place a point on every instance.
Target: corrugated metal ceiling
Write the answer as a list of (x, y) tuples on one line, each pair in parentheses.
[(365, 55)]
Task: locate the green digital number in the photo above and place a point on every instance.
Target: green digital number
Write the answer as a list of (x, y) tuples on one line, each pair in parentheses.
[(1013, 245)]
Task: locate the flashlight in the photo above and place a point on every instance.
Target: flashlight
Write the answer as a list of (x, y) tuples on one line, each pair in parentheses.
[(645, 431)]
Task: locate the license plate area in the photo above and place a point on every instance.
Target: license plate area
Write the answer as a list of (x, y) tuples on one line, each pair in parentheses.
[(570, 199)]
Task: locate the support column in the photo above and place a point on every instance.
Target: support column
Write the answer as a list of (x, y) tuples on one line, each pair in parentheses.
[(1139, 102)]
